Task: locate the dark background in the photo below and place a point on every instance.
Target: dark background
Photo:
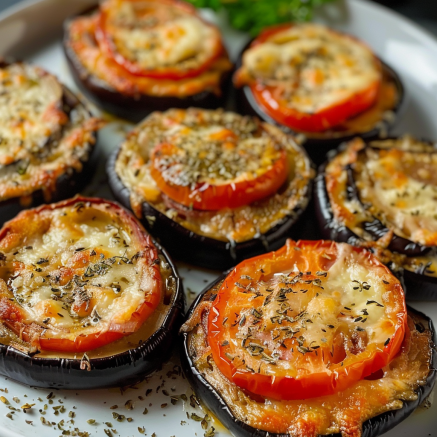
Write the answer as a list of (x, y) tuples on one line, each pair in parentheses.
[(423, 12)]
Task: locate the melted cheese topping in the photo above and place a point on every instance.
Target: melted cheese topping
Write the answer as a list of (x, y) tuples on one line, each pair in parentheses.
[(401, 187), (397, 184), (42, 134), (303, 322), (156, 35), (214, 155), (210, 156), (83, 46), (314, 67), (74, 269), (344, 412)]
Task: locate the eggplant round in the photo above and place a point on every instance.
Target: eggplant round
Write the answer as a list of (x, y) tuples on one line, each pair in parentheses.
[(117, 369), (133, 106), (371, 428), (419, 285), (72, 179), (318, 146), (204, 251)]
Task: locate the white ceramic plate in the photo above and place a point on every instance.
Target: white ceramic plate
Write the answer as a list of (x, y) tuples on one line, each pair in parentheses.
[(32, 31)]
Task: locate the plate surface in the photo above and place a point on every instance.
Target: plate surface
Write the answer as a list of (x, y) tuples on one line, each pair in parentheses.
[(32, 31)]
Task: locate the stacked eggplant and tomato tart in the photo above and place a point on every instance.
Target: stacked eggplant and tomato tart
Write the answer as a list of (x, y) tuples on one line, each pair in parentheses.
[(87, 299), (319, 82), (134, 56), (383, 194), (214, 186), (314, 339), (46, 138)]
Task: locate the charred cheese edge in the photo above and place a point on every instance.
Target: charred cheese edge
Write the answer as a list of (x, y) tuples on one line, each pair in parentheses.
[(74, 270), (42, 134), (258, 144), (314, 66), (396, 179)]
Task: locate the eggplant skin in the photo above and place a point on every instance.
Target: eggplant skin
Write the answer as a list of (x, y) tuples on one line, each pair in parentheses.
[(371, 428), (197, 249), (317, 148), (418, 286), (329, 227), (118, 370), (133, 108)]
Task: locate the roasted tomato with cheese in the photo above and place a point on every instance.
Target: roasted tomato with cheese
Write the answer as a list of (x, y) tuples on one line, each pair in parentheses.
[(382, 194), (81, 277), (206, 188), (316, 81), (161, 40), (135, 56), (313, 339), (46, 139), (213, 185)]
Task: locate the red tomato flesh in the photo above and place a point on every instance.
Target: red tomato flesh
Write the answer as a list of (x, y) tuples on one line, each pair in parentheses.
[(319, 121), (160, 12), (276, 106), (122, 320), (284, 326), (212, 194)]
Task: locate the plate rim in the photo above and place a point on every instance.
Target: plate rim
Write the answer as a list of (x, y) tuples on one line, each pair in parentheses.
[(417, 30), (422, 34), (17, 8), (413, 29)]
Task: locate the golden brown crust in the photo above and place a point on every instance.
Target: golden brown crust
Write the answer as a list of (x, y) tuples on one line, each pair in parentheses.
[(83, 42), (311, 66), (396, 181), (237, 224), (45, 132), (307, 66), (344, 412), (77, 275)]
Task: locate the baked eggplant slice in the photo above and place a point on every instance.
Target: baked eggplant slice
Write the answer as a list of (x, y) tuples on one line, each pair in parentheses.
[(213, 186), (47, 137), (131, 58), (326, 86), (88, 300), (382, 194), (287, 315)]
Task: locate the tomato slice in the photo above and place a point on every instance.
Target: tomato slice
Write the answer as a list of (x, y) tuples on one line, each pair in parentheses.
[(308, 80), (172, 173), (161, 31), (320, 121), (72, 298), (306, 321)]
